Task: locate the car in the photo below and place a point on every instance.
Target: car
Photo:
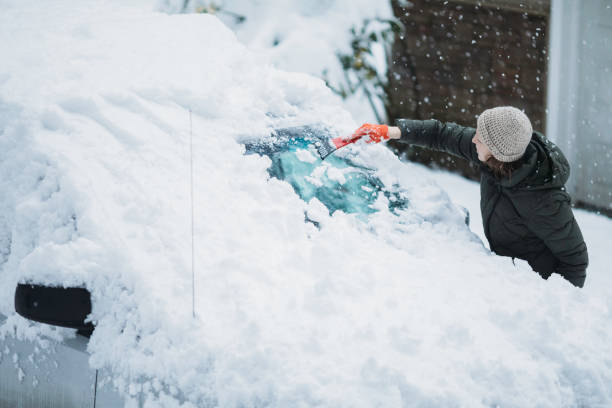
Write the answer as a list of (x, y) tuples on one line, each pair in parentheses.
[(62, 377)]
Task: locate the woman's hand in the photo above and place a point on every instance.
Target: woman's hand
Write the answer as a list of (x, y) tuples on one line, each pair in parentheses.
[(376, 133), (372, 133)]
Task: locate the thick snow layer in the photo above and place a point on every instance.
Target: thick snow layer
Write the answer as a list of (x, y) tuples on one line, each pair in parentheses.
[(301, 36), (98, 105), (296, 35)]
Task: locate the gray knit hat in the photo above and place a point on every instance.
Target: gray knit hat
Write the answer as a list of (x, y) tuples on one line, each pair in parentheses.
[(506, 131)]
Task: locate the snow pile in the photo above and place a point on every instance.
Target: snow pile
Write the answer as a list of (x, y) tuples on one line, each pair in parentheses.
[(98, 103), (300, 36)]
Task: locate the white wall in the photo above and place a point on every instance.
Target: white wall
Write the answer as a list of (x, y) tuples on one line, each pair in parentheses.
[(580, 95)]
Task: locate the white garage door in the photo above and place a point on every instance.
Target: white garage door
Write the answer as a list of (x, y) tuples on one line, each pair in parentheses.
[(594, 120)]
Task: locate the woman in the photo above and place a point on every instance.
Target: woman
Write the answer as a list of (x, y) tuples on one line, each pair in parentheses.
[(526, 211)]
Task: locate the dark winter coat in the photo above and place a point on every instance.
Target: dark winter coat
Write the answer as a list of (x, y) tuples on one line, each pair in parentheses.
[(527, 216)]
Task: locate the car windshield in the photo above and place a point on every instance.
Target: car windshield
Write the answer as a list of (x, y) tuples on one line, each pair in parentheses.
[(338, 182)]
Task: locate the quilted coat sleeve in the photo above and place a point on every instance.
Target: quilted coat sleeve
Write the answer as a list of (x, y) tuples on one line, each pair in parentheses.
[(553, 222), (447, 137)]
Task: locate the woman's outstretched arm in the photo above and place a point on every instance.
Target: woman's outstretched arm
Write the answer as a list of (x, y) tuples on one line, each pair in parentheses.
[(433, 134)]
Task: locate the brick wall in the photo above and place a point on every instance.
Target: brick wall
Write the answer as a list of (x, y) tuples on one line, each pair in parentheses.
[(458, 58)]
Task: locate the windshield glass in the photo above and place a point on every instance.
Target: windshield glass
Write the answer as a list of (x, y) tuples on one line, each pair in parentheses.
[(337, 182)]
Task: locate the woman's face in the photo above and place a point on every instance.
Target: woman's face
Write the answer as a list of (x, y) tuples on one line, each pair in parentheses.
[(483, 151)]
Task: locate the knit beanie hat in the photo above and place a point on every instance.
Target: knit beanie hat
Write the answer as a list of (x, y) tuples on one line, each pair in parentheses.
[(506, 131)]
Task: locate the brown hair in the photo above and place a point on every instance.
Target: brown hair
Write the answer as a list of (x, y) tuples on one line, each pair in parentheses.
[(502, 169)]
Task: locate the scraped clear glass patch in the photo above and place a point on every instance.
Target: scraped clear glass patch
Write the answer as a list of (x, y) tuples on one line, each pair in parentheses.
[(336, 181)]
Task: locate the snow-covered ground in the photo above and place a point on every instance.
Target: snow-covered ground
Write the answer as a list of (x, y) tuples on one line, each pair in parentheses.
[(98, 104)]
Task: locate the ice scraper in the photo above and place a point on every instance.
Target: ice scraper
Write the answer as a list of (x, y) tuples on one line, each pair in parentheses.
[(368, 133), (325, 147)]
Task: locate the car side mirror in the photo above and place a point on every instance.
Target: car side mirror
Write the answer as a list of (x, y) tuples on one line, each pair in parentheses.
[(65, 307)]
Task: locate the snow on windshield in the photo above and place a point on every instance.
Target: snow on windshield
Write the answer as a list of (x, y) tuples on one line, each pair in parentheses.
[(99, 103)]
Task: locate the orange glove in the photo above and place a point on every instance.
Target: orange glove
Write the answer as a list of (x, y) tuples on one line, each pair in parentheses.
[(372, 133), (368, 132)]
